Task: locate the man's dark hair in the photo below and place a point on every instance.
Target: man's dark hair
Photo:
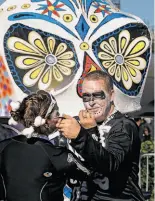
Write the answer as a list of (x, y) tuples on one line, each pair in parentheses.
[(100, 75)]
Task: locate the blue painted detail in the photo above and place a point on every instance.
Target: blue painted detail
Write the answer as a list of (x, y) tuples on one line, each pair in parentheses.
[(42, 7), (101, 3), (87, 4), (31, 15), (2, 1), (69, 4), (114, 33), (11, 64), (82, 27), (75, 1), (67, 192), (110, 17), (66, 2)]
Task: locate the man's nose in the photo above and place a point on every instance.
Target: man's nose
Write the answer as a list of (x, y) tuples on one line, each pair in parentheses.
[(91, 102)]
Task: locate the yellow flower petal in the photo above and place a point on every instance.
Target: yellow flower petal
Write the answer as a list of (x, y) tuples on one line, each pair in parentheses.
[(62, 47), (66, 71), (125, 75), (136, 62), (137, 47), (27, 62), (18, 45), (105, 56), (66, 55), (33, 75), (45, 81), (107, 48), (21, 46), (46, 77), (123, 40), (30, 61), (112, 70), (113, 44), (57, 75), (118, 73), (36, 40), (134, 73), (51, 44), (67, 63), (126, 79), (107, 64)]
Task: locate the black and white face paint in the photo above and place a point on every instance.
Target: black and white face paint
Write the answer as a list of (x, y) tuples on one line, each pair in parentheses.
[(96, 98)]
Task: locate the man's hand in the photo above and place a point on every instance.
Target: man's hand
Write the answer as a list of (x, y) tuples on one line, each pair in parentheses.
[(87, 119), (69, 127)]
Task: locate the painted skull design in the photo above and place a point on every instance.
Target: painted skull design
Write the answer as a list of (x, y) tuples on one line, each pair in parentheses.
[(52, 44)]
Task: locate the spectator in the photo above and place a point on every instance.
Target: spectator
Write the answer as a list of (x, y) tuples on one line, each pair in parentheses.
[(146, 133)]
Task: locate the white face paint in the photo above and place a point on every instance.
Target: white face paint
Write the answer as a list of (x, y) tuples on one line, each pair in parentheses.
[(101, 108)]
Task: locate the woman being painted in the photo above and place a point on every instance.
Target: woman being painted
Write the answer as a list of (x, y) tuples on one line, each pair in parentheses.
[(32, 167)]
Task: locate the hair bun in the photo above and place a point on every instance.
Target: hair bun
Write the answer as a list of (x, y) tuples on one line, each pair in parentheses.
[(12, 122), (39, 121), (28, 131), (15, 106)]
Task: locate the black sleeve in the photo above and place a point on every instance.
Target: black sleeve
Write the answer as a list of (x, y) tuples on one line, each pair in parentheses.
[(2, 191), (65, 161), (3, 144), (108, 158)]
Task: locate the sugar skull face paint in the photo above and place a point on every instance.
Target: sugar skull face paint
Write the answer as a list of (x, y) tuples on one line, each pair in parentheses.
[(100, 102)]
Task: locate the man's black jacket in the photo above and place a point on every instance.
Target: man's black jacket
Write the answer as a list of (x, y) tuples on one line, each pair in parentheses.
[(114, 161)]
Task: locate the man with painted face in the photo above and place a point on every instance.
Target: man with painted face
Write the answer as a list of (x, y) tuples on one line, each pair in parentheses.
[(107, 140)]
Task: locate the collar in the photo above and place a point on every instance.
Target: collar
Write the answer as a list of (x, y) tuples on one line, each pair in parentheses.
[(49, 137), (39, 136), (111, 116)]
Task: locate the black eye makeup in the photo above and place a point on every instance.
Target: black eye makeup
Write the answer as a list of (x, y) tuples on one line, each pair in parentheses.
[(93, 96)]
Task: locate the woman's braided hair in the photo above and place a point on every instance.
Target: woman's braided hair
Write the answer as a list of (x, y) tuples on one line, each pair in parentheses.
[(32, 106)]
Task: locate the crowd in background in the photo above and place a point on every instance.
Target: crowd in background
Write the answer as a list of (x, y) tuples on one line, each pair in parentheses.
[(146, 133)]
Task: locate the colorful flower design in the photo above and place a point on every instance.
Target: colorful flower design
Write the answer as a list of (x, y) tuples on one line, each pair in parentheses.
[(48, 62), (51, 8), (102, 8), (124, 60)]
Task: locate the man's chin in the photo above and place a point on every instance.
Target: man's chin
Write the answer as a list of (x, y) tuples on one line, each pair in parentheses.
[(98, 117)]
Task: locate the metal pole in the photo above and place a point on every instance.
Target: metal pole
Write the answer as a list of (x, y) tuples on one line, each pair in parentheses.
[(147, 173), (140, 172)]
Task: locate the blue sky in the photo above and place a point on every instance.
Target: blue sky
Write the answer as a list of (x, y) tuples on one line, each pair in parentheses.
[(141, 8)]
